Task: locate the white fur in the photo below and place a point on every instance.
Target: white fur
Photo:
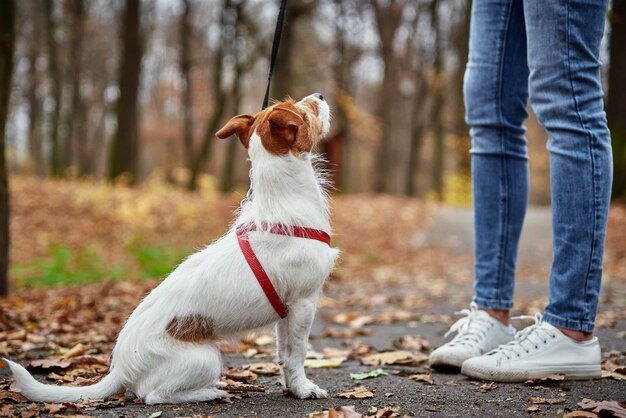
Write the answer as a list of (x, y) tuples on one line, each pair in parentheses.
[(217, 282)]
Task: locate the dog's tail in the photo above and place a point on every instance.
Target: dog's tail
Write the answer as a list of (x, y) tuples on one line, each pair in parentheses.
[(36, 391)]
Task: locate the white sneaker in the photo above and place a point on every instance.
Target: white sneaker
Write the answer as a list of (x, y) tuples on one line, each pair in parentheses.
[(477, 333), (539, 350)]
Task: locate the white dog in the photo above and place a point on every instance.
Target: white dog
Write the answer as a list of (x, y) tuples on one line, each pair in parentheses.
[(166, 352)]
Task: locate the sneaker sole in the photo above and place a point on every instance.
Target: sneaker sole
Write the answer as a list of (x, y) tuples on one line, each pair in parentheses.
[(576, 372)]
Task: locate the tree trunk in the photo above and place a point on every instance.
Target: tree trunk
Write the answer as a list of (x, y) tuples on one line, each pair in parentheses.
[(342, 74), (227, 179), (418, 124), (388, 18), (125, 144), (283, 78), (35, 106), (56, 85), (217, 87), (616, 105), (185, 70), (7, 45), (76, 139), (461, 42), (438, 99)]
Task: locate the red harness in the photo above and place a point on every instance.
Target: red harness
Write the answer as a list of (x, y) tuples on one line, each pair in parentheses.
[(255, 265)]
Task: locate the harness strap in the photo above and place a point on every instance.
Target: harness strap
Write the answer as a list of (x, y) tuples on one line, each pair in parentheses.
[(255, 265)]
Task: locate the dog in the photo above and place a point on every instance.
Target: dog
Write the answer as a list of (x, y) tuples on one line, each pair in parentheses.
[(166, 352)]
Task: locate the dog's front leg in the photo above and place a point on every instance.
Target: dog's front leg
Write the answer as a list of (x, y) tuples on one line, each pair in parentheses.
[(300, 319), (282, 348)]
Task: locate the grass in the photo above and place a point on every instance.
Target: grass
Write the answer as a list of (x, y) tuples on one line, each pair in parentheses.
[(156, 261), (66, 267)]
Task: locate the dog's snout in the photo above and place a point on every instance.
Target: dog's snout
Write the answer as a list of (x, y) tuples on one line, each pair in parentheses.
[(319, 96)]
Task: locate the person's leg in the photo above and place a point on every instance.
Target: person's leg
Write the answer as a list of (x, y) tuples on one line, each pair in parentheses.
[(496, 96), (563, 47), (566, 94)]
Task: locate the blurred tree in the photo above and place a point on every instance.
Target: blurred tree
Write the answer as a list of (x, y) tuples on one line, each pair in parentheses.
[(217, 112), (7, 46), (56, 88), (460, 40), (185, 70), (242, 49), (35, 105), (419, 102), (283, 78), (388, 18), (438, 102), (347, 25), (74, 142), (125, 143), (419, 121), (616, 105)]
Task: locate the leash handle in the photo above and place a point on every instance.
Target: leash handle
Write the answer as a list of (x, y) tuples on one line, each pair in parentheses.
[(275, 44)]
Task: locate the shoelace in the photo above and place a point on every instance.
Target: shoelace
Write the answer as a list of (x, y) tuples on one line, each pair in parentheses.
[(525, 340), (470, 322)]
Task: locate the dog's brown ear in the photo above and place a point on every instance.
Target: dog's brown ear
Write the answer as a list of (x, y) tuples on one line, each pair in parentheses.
[(284, 126), (239, 125)]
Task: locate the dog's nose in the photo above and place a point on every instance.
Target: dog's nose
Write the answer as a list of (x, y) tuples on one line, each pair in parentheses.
[(319, 96)]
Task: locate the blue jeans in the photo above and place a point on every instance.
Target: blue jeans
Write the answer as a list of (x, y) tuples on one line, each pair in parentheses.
[(549, 48)]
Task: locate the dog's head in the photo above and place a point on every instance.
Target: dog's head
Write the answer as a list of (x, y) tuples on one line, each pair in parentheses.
[(283, 128)]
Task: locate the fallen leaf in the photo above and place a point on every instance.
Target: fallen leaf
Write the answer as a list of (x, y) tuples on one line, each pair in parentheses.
[(354, 320), (264, 340), (550, 401), (340, 412), (156, 414), (580, 414), (368, 375), (77, 350), (533, 408), (412, 342), (604, 408), (244, 376), (54, 408), (553, 378), (323, 363), (613, 375), (250, 352), (405, 358), (266, 369), (423, 377), (243, 387), (330, 352), (359, 392), (47, 364), (335, 332), (388, 412), (485, 387), (16, 397)]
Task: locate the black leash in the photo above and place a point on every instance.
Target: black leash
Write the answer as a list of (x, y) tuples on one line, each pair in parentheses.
[(277, 33), (275, 44)]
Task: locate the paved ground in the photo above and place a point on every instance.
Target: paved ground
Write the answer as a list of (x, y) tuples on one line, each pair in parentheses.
[(453, 229), (451, 394)]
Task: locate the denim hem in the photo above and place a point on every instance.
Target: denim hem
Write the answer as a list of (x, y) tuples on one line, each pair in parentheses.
[(571, 324), (505, 305)]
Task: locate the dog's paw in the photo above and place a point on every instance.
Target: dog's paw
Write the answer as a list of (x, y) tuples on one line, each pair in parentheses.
[(220, 385), (308, 390)]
